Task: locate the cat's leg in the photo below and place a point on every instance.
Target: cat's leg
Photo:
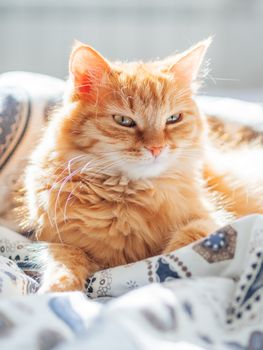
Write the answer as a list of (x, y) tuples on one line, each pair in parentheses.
[(192, 231), (65, 268)]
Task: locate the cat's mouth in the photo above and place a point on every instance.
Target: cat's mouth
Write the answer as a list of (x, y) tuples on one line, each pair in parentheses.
[(157, 159), (146, 167), (153, 161)]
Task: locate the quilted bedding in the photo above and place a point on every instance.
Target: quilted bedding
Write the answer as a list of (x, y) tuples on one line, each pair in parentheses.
[(208, 295)]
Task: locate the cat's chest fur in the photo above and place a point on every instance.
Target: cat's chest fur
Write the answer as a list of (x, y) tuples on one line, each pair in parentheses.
[(119, 221)]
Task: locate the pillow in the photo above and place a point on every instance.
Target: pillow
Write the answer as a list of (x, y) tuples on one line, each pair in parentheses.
[(25, 100)]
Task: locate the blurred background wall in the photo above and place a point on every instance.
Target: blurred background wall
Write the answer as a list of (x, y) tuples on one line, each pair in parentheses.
[(37, 35)]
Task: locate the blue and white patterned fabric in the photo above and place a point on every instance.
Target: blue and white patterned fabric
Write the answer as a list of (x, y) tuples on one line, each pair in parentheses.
[(25, 101), (208, 295)]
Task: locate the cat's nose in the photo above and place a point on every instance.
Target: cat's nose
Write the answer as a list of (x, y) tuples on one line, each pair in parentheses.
[(155, 150)]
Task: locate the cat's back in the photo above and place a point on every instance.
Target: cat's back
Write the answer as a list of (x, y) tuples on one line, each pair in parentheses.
[(234, 165)]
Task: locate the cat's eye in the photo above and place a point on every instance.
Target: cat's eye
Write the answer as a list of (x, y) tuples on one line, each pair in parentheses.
[(124, 121), (175, 118)]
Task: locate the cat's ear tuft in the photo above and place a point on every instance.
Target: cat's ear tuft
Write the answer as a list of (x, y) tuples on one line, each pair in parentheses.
[(187, 64), (87, 68)]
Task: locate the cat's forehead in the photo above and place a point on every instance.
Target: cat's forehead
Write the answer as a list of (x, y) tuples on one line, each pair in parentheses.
[(143, 86), (142, 78)]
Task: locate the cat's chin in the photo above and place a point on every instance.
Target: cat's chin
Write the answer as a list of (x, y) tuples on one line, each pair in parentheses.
[(137, 171)]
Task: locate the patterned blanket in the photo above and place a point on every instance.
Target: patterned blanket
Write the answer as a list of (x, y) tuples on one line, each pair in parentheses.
[(208, 295)]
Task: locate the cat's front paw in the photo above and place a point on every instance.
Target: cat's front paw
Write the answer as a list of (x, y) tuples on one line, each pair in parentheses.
[(191, 232)]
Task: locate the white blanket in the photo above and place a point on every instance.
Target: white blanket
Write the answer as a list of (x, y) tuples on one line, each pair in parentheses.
[(208, 295)]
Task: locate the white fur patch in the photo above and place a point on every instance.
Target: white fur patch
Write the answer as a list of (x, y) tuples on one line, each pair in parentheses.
[(146, 167)]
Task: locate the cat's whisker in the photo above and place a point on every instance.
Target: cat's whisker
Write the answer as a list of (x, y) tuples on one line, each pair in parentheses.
[(55, 182), (64, 181), (56, 202), (67, 169), (101, 167), (98, 170), (68, 178), (73, 159), (54, 186), (64, 169), (67, 201)]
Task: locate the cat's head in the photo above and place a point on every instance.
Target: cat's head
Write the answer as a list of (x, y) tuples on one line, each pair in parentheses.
[(135, 118)]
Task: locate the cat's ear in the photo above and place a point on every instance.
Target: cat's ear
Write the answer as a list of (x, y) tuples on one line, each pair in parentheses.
[(87, 68), (187, 64)]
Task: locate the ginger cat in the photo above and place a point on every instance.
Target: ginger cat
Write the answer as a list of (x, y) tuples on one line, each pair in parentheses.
[(125, 169)]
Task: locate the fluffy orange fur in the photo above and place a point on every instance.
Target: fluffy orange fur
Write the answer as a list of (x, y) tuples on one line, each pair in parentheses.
[(105, 194)]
